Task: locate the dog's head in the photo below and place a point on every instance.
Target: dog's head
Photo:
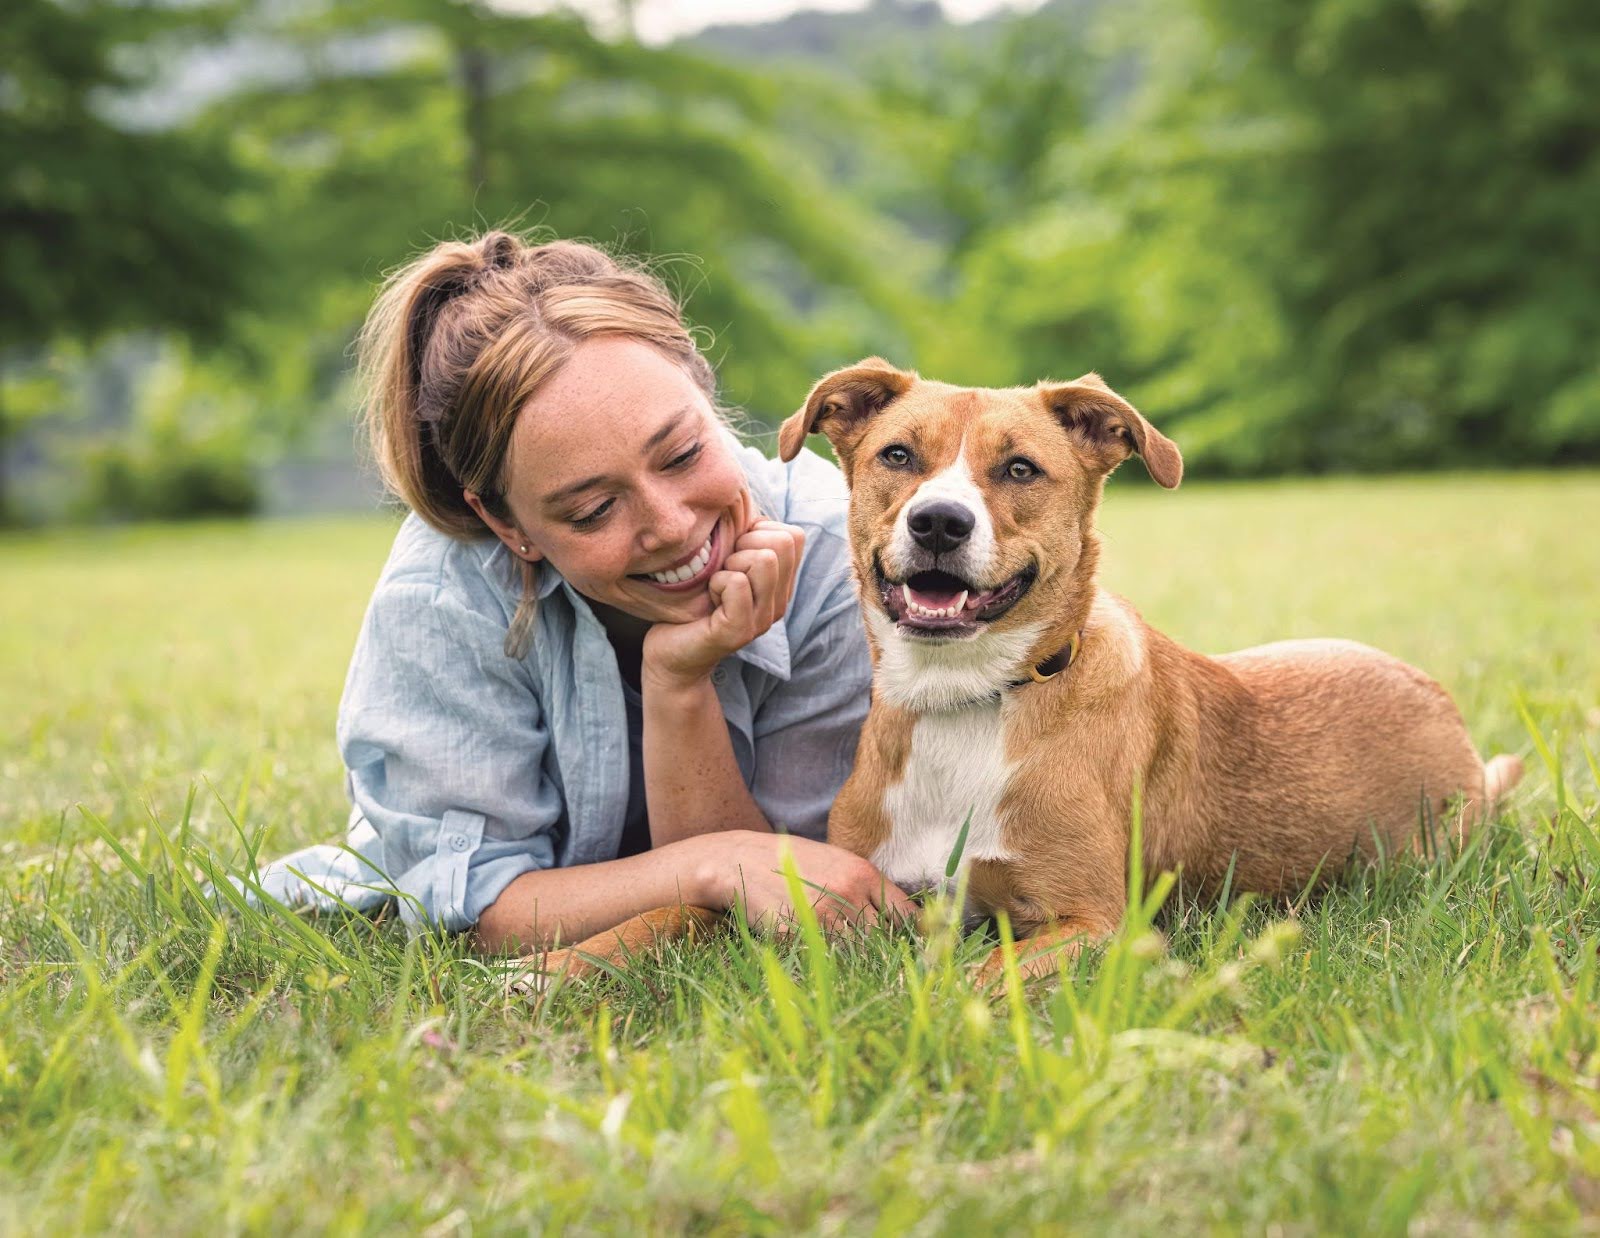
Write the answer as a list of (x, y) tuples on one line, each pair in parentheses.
[(972, 509)]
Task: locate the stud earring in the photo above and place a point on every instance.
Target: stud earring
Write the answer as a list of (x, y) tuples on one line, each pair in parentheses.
[(523, 549)]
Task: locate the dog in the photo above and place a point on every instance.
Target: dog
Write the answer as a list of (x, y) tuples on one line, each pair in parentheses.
[(1018, 707)]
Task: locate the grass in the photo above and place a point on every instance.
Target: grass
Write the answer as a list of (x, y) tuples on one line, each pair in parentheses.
[(1416, 1051)]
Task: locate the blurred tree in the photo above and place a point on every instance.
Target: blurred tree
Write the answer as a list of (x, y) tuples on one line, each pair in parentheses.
[(103, 226), (1332, 234), (413, 119), (990, 108)]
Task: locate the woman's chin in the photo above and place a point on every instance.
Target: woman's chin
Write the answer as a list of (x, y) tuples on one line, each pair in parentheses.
[(662, 607)]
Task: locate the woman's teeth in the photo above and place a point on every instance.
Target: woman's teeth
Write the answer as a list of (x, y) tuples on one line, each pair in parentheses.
[(689, 570)]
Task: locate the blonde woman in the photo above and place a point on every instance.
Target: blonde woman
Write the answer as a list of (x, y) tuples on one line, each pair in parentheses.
[(613, 652)]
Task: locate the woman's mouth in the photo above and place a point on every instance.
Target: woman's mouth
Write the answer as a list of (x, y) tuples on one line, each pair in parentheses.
[(690, 573)]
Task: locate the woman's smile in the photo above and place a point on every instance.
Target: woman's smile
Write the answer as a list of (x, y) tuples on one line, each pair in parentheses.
[(692, 571)]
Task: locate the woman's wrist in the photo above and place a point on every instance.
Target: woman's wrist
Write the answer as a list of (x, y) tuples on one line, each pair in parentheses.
[(709, 867), (695, 866), (672, 681)]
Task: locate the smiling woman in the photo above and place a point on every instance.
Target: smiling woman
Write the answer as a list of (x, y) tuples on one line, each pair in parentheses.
[(614, 653)]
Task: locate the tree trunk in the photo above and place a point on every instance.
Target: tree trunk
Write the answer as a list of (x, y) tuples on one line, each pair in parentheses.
[(6, 514), (473, 64)]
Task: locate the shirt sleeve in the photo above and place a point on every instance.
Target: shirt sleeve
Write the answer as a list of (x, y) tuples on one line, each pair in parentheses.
[(806, 730), (444, 739)]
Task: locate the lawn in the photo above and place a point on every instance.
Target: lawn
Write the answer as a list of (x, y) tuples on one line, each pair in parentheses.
[(1416, 1051)]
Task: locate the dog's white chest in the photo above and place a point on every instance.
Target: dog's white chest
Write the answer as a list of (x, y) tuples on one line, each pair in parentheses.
[(957, 767)]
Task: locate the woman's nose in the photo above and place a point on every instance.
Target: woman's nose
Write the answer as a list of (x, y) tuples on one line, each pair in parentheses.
[(666, 523)]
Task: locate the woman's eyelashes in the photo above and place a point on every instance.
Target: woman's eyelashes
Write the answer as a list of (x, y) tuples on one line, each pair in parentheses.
[(594, 515), (591, 518)]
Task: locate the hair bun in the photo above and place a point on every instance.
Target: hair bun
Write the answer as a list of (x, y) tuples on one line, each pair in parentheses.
[(500, 251)]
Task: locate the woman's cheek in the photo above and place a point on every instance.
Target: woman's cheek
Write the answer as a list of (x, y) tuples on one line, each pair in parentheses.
[(724, 481)]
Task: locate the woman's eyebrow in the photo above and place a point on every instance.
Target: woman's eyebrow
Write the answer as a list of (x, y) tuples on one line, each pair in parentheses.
[(666, 430), (650, 444)]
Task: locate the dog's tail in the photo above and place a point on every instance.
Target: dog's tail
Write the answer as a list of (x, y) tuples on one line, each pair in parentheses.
[(1500, 774)]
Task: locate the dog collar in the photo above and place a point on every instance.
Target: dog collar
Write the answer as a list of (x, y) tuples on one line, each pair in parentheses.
[(1052, 666)]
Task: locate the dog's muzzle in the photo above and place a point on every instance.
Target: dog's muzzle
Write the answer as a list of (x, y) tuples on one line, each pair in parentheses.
[(938, 602)]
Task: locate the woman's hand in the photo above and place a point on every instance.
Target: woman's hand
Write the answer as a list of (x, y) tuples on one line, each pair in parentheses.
[(749, 593), (743, 866)]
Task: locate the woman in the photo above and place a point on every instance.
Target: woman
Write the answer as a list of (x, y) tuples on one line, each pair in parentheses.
[(612, 650)]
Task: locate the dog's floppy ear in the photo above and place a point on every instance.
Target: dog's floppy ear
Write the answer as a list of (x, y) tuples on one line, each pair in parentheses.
[(840, 404), (1111, 428)]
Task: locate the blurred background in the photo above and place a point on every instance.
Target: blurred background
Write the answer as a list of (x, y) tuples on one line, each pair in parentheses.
[(1301, 235)]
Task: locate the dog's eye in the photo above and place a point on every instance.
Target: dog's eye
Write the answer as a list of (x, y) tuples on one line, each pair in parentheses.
[(896, 456), (1021, 470)]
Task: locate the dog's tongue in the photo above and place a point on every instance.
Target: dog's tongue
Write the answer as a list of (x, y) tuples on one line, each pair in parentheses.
[(936, 599)]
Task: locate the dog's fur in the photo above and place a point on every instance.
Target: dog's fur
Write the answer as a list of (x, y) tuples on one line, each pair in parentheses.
[(1266, 769)]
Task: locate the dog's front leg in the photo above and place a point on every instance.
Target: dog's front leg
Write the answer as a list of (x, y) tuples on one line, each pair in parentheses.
[(1067, 896), (1040, 953), (614, 947)]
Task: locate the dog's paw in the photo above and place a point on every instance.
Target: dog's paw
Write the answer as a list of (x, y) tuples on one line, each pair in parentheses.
[(544, 974), (1041, 956), (1042, 964)]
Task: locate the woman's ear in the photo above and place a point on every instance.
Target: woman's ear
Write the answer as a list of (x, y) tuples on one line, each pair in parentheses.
[(516, 541)]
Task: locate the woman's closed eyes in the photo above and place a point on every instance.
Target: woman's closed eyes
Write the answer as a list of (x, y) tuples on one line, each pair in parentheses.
[(591, 519)]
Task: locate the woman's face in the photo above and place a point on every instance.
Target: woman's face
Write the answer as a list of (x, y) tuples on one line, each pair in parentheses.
[(619, 476)]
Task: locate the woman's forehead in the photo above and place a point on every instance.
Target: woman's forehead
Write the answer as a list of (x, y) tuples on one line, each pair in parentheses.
[(602, 414)]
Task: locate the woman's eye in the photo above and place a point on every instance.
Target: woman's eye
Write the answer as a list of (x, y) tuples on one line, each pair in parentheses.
[(896, 456), (589, 519), (1021, 470), (677, 462)]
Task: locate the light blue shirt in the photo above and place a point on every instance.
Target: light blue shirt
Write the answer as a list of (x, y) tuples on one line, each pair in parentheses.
[(467, 768)]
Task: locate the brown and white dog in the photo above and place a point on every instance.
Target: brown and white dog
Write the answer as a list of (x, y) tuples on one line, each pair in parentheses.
[(1013, 695), (1010, 687)]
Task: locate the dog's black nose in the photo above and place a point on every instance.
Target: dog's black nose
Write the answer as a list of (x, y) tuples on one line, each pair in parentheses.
[(940, 526)]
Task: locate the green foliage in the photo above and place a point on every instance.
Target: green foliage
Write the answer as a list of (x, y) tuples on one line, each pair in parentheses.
[(476, 116), (1337, 234), (1415, 1051), (104, 226), (172, 475), (1343, 234), (190, 453), (107, 225)]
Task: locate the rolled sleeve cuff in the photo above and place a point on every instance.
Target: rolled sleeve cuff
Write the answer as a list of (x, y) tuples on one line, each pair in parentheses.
[(451, 888)]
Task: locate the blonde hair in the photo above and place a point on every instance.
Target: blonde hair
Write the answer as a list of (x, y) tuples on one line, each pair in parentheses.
[(458, 342)]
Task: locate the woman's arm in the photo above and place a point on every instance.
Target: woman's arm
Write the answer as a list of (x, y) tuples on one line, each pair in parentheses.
[(692, 781), (693, 785), (566, 905)]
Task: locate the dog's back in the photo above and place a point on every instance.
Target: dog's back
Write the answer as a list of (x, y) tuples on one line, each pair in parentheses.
[(1305, 748)]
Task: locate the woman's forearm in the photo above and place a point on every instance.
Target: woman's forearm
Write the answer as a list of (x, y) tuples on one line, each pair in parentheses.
[(692, 782), (566, 905), (716, 871)]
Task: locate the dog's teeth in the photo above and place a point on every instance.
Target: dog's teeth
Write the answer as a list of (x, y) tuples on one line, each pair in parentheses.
[(960, 603), (916, 608)]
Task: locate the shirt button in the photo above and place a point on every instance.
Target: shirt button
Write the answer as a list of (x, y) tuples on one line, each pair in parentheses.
[(719, 676), (458, 842)]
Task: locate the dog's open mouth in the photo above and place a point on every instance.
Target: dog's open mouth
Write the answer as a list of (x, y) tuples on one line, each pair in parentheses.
[(937, 603)]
